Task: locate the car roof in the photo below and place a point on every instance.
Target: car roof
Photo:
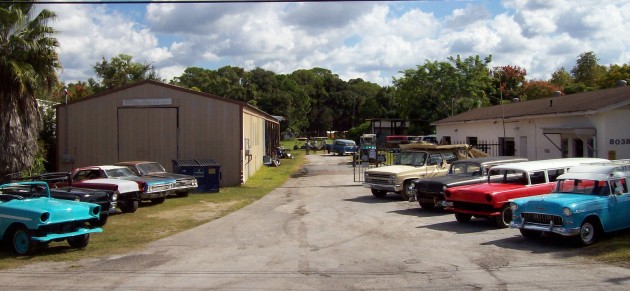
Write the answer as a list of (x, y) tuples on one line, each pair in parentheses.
[(104, 168), (548, 164), (598, 172), (492, 160), (131, 163), (344, 140)]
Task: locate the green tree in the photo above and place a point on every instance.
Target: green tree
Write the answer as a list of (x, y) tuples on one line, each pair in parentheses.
[(614, 74), (436, 90), (587, 71), (561, 78), (121, 71), (28, 63)]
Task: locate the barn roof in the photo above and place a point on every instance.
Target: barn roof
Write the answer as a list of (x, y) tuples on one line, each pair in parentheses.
[(173, 87), (581, 103)]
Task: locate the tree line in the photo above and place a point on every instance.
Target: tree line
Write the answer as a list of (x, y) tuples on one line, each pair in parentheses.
[(312, 101)]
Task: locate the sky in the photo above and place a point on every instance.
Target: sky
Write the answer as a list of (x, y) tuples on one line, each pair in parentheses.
[(372, 40)]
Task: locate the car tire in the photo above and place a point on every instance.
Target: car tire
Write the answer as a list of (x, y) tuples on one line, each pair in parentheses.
[(79, 241), (21, 242), (462, 217), (530, 234), (129, 206), (379, 193), (101, 221), (404, 194), (159, 200), (589, 233), (427, 206), (184, 194), (504, 218)]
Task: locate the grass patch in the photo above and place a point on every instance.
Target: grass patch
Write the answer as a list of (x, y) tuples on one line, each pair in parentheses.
[(128, 232)]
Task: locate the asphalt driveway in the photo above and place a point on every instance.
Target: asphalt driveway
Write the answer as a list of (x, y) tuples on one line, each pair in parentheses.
[(320, 231)]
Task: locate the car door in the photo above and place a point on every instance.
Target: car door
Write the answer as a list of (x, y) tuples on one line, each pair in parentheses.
[(615, 216)]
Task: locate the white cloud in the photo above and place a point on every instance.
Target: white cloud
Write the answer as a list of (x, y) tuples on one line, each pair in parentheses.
[(354, 40)]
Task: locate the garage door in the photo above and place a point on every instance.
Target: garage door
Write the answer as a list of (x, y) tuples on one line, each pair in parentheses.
[(148, 134)]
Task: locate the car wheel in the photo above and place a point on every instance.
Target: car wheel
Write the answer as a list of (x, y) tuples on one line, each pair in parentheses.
[(21, 242), (159, 200), (379, 193), (79, 241), (427, 206), (589, 233), (530, 234), (101, 221), (405, 194), (129, 206), (462, 217), (504, 217)]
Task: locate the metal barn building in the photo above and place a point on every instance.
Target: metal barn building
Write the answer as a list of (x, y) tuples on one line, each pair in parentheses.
[(158, 122)]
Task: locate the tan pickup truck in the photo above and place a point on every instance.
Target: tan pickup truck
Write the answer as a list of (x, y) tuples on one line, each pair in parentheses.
[(415, 161)]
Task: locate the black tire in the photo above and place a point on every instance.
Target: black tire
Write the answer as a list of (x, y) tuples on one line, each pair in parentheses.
[(462, 217), (589, 233), (379, 193), (79, 241), (427, 206), (504, 218), (404, 193), (129, 206), (101, 221), (530, 234), (159, 200), (184, 194), (21, 242)]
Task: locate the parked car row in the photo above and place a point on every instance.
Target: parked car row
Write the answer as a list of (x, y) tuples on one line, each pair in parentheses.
[(581, 198), (40, 209)]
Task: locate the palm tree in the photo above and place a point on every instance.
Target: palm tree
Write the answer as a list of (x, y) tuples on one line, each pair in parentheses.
[(28, 63)]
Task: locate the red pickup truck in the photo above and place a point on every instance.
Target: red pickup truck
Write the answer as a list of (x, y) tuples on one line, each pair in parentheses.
[(491, 199)]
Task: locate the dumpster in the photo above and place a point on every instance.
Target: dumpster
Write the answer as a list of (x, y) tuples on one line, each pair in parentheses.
[(207, 172)]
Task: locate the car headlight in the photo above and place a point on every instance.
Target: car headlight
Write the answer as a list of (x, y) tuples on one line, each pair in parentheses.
[(444, 188), (392, 176), (115, 196), (514, 207), (567, 212)]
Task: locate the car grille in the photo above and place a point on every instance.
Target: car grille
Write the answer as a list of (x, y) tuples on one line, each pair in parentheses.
[(429, 187), (538, 218), (183, 183), (377, 178), (64, 227), (159, 188), (473, 206)]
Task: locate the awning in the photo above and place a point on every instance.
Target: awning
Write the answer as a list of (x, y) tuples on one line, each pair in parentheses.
[(579, 131), (582, 133)]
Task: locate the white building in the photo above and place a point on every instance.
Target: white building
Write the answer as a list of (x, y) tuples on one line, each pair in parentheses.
[(591, 124)]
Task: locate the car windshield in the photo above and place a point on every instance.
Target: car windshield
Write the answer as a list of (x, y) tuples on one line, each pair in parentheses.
[(466, 169), (508, 177), (119, 173), (581, 186), (410, 158), (149, 168)]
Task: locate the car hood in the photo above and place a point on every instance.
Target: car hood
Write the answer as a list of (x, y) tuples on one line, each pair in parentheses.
[(395, 169), (553, 203), (170, 175), (150, 180), (124, 186), (454, 180), (60, 210)]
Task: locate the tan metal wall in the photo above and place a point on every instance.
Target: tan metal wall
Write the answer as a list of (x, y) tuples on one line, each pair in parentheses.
[(208, 128)]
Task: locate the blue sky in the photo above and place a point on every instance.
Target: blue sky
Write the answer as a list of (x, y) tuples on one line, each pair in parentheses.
[(354, 39)]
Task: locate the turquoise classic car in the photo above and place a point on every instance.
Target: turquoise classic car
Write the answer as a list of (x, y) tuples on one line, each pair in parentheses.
[(588, 200), (30, 217)]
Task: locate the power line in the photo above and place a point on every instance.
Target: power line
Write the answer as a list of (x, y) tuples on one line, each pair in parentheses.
[(203, 1)]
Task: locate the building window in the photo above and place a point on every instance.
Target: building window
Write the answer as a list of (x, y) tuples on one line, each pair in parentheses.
[(578, 148), (471, 140), (446, 140), (564, 145)]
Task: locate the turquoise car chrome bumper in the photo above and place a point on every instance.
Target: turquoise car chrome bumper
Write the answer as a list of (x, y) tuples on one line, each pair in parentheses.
[(546, 228), (54, 236)]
